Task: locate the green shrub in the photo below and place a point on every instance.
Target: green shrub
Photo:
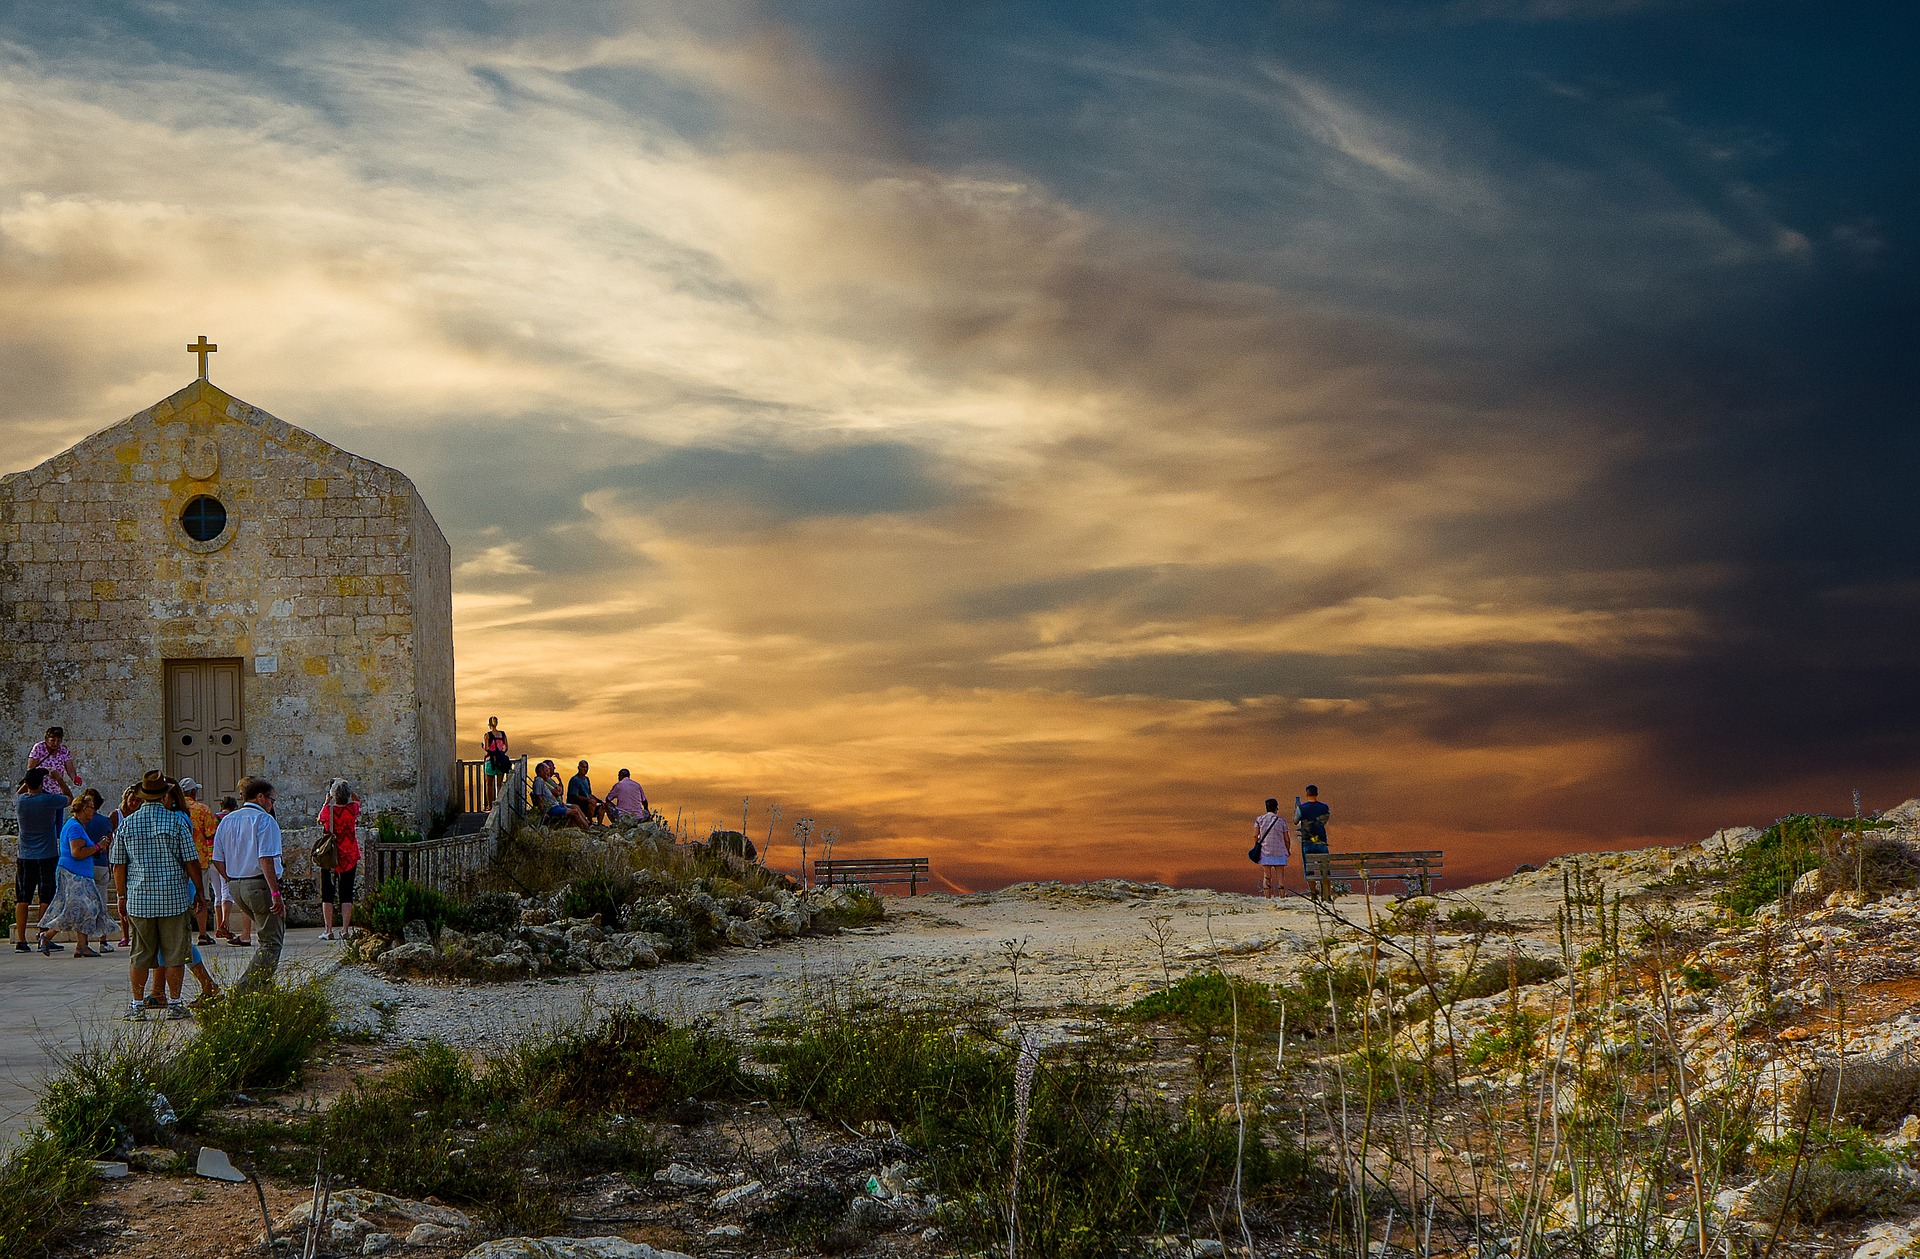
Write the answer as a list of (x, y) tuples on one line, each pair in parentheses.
[(862, 905), (1496, 975), (1467, 917), (601, 893), (388, 828), (397, 902), (43, 1184), (630, 1063), (1100, 1167), (1509, 1041), (490, 911), (495, 1137), (1766, 869), (108, 1081), (1203, 1003), (1699, 978)]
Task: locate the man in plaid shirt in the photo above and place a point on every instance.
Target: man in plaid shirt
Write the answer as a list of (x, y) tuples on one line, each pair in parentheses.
[(156, 869)]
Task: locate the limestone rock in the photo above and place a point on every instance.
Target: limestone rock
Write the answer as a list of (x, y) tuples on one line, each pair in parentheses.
[(347, 1205), (1890, 1241), (435, 1235), (409, 958), (568, 1248), (506, 967)]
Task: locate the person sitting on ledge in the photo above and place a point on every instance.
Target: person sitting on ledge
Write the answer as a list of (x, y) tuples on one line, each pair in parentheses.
[(628, 799), (547, 802), (580, 796)]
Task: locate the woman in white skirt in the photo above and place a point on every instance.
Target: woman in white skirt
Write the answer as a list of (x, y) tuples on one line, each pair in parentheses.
[(1271, 837), (77, 905)]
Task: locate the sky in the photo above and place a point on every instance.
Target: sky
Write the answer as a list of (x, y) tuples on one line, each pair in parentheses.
[(1031, 435)]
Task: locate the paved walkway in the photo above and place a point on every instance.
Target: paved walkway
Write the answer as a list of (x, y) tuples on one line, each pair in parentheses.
[(45, 1001)]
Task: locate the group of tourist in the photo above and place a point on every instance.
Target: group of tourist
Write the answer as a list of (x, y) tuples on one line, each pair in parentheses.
[(175, 864), (578, 805), (1273, 842), (626, 800)]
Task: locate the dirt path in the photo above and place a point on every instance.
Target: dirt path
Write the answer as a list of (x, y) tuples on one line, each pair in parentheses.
[(1089, 943)]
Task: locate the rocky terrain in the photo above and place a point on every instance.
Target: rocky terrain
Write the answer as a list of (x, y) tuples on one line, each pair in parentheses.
[(1609, 1058)]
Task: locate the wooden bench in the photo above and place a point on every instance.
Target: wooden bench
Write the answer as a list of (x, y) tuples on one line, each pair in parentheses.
[(1416, 870), (908, 870)]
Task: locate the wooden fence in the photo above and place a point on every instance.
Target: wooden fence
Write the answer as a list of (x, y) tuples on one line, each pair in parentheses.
[(445, 865), (449, 865)]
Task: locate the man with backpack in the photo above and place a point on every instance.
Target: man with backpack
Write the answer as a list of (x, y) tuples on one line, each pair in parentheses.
[(1310, 820)]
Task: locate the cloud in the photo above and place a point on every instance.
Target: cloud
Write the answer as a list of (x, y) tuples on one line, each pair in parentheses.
[(1036, 512)]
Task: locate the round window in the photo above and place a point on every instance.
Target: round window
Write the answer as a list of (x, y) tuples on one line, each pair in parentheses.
[(204, 518)]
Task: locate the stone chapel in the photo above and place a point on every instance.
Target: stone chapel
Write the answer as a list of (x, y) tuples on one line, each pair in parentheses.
[(206, 589)]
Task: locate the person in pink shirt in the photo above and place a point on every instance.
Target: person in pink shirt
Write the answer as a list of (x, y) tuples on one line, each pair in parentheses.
[(627, 798), (53, 755)]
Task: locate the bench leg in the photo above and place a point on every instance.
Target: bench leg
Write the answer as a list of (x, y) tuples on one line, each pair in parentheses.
[(913, 884)]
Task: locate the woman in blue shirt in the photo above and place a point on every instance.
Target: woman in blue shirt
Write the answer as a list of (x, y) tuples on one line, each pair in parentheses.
[(77, 905)]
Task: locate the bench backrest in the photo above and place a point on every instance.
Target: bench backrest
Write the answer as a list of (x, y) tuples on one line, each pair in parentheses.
[(911, 871), (1416, 868), (871, 863)]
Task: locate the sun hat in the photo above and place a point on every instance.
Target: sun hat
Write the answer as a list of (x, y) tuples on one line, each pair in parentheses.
[(188, 786), (153, 786)]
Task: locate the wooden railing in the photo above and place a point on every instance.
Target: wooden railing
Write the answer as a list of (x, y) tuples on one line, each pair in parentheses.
[(451, 864), (510, 806), (477, 787), (445, 865)]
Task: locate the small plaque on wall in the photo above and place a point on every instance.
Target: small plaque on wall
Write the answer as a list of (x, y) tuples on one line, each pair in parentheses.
[(266, 664)]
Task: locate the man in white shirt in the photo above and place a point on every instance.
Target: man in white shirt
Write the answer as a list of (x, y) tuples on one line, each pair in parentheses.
[(246, 852)]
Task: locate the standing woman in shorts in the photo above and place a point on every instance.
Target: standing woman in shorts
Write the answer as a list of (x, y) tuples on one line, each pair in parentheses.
[(1270, 836), (340, 817)]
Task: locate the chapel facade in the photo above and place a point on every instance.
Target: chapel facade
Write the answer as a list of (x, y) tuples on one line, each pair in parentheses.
[(206, 589)]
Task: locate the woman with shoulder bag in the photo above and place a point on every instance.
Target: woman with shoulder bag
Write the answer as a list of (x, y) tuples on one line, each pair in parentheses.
[(338, 856)]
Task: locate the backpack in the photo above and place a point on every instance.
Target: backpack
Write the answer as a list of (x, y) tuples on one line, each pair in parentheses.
[(1313, 829), (326, 852)]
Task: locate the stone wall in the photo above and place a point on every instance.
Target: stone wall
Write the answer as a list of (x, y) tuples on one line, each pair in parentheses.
[(330, 583), (435, 721)]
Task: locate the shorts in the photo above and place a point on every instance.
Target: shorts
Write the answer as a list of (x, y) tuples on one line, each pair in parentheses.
[(336, 886), (161, 942), (31, 875), (556, 812)]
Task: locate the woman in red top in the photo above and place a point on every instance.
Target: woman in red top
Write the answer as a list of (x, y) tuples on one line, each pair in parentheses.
[(340, 817)]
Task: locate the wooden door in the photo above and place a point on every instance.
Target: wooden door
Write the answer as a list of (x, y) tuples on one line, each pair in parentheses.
[(206, 738)]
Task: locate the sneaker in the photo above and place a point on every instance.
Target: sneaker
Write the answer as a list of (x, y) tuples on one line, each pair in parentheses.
[(328, 935), (23, 947), (156, 1002), (177, 1011), (48, 947), (106, 946), (238, 943), (136, 1012)]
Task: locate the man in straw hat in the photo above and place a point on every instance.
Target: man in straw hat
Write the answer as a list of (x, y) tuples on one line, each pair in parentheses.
[(155, 870)]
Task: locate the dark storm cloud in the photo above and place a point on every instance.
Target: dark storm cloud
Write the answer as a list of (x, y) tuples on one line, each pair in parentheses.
[(859, 479)]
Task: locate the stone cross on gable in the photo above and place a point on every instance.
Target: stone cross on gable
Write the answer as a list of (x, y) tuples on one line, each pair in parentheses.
[(203, 347)]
